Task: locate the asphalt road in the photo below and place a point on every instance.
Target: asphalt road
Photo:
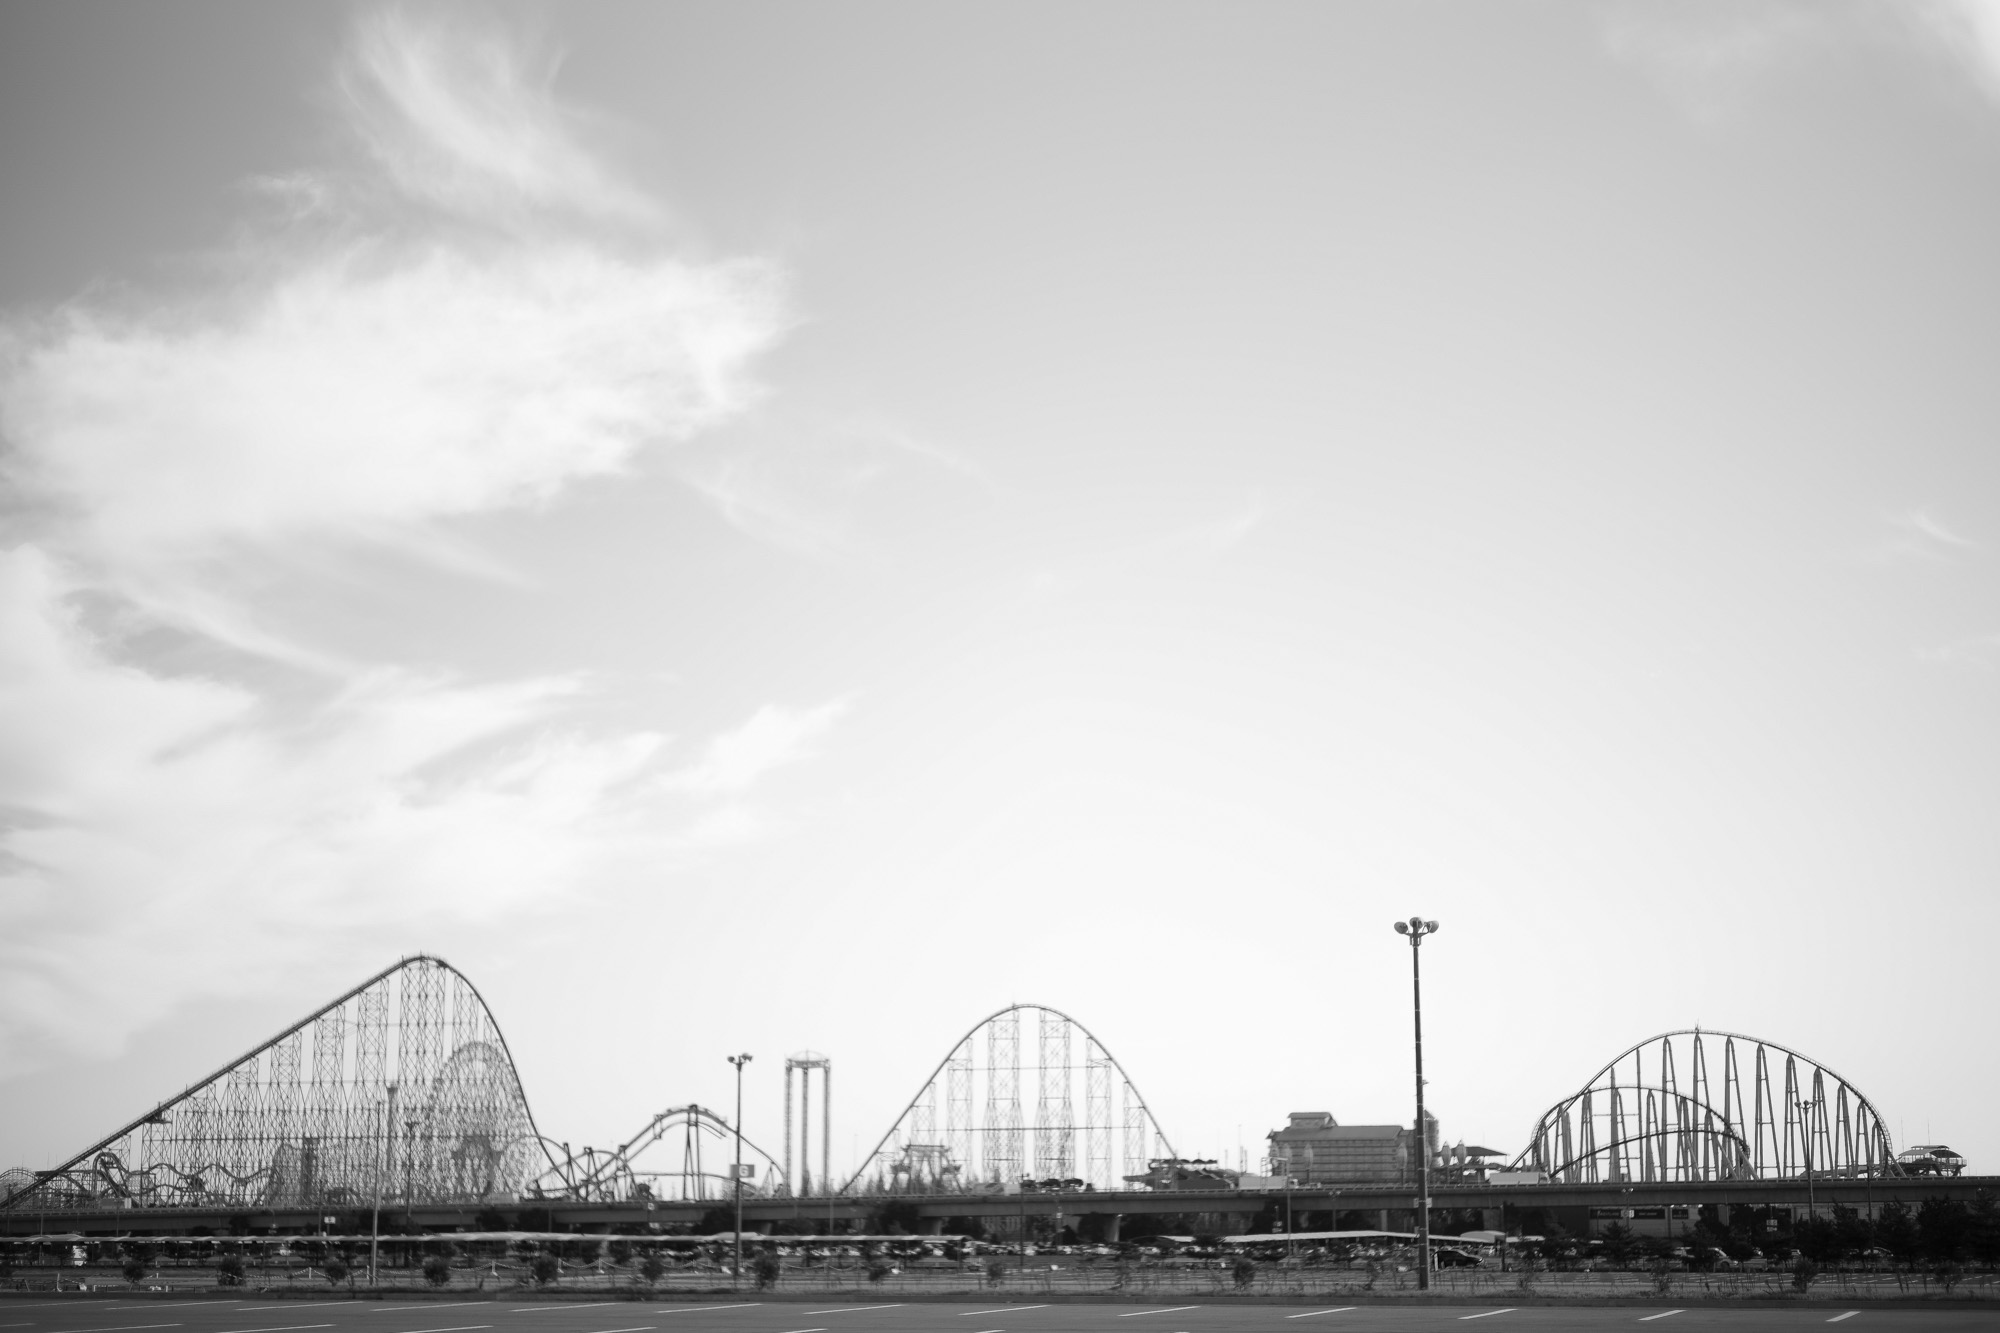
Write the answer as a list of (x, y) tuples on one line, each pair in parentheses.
[(40, 1314)]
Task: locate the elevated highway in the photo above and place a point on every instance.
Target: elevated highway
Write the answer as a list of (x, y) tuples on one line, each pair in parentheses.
[(848, 1212)]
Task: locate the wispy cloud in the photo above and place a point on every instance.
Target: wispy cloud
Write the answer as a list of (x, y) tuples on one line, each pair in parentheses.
[(1710, 56), (468, 119), (1979, 652), (1921, 537), (476, 317)]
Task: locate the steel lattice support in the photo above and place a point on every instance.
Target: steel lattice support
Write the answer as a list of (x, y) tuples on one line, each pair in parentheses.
[(1635, 1120), (994, 1149), (259, 1133)]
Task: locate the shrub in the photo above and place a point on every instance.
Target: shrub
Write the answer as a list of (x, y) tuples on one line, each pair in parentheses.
[(879, 1269), (1804, 1271), (766, 1270), (545, 1270), (996, 1272), (229, 1270), (437, 1270), (134, 1270), (1244, 1270), (652, 1267)]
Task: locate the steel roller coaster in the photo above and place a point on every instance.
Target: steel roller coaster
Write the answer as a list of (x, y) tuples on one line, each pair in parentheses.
[(403, 1089), (1672, 1108)]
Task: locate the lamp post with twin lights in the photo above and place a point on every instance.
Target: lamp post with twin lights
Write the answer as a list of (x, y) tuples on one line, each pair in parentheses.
[(1416, 928), (739, 1061)]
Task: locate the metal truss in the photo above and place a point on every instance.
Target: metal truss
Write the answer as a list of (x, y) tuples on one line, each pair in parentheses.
[(401, 1089), (1067, 1065), (1659, 1113), (804, 1063), (630, 1173)]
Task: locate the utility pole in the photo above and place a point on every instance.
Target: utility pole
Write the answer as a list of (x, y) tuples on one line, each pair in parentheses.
[(739, 1061), (382, 1164), (1416, 928)]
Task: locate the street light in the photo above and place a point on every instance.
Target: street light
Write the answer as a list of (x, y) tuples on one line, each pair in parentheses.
[(739, 1061), (1416, 928), (1805, 1125)]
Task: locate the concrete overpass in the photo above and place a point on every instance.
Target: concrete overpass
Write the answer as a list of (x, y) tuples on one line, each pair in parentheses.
[(1498, 1205)]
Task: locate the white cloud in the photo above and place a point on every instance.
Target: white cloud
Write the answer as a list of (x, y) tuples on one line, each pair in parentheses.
[(145, 808), (772, 738), (480, 343), (1709, 56), (1970, 31), (467, 118), (1921, 537)]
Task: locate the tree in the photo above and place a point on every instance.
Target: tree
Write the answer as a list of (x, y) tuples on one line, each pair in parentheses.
[(1984, 1236), (134, 1270), (1818, 1239), (1943, 1228), (1896, 1232), (766, 1270), (1620, 1245), (1854, 1233), (546, 1269), (652, 1267), (336, 1272), (897, 1217), (437, 1270), (1244, 1270)]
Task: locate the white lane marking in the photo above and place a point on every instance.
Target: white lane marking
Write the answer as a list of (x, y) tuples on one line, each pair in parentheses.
[(455, 1328), (642, 1328), (1849, 1315), (559, 1305), (163, 1305), (855, 1309), (1338, 1309), (697, 1309), (1007, 1309), (289, 1305), (282, 1328), (805, 1330), (119, 1328), (1649, 1318), (1483, 1313), (1133, 1314), (442, 1305)]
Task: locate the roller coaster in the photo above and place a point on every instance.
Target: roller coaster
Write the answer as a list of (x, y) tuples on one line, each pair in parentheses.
[(1671, 1109), (403, 1089)]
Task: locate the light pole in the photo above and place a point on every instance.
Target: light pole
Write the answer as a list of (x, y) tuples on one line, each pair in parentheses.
[(1416, 928), (739, 1061), (1805, 1124), (384, 1164)]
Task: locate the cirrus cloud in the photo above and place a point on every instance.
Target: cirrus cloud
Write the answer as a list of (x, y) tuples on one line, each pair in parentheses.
[(475, 316)]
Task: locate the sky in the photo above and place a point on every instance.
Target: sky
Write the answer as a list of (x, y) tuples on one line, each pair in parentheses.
[(749, 527)]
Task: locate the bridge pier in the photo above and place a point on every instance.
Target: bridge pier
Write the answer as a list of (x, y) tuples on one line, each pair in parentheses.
[(1112, 1222)]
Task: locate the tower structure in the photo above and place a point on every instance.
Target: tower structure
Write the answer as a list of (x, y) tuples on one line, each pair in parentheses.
[(805, 1062)]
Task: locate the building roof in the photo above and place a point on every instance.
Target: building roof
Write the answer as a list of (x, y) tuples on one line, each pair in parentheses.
[(1340, 1132)]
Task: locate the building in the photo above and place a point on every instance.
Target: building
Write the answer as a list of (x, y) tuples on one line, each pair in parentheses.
[(1316, 1149)]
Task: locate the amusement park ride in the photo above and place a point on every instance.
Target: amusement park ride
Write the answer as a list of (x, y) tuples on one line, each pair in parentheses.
[(304, 1121)]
